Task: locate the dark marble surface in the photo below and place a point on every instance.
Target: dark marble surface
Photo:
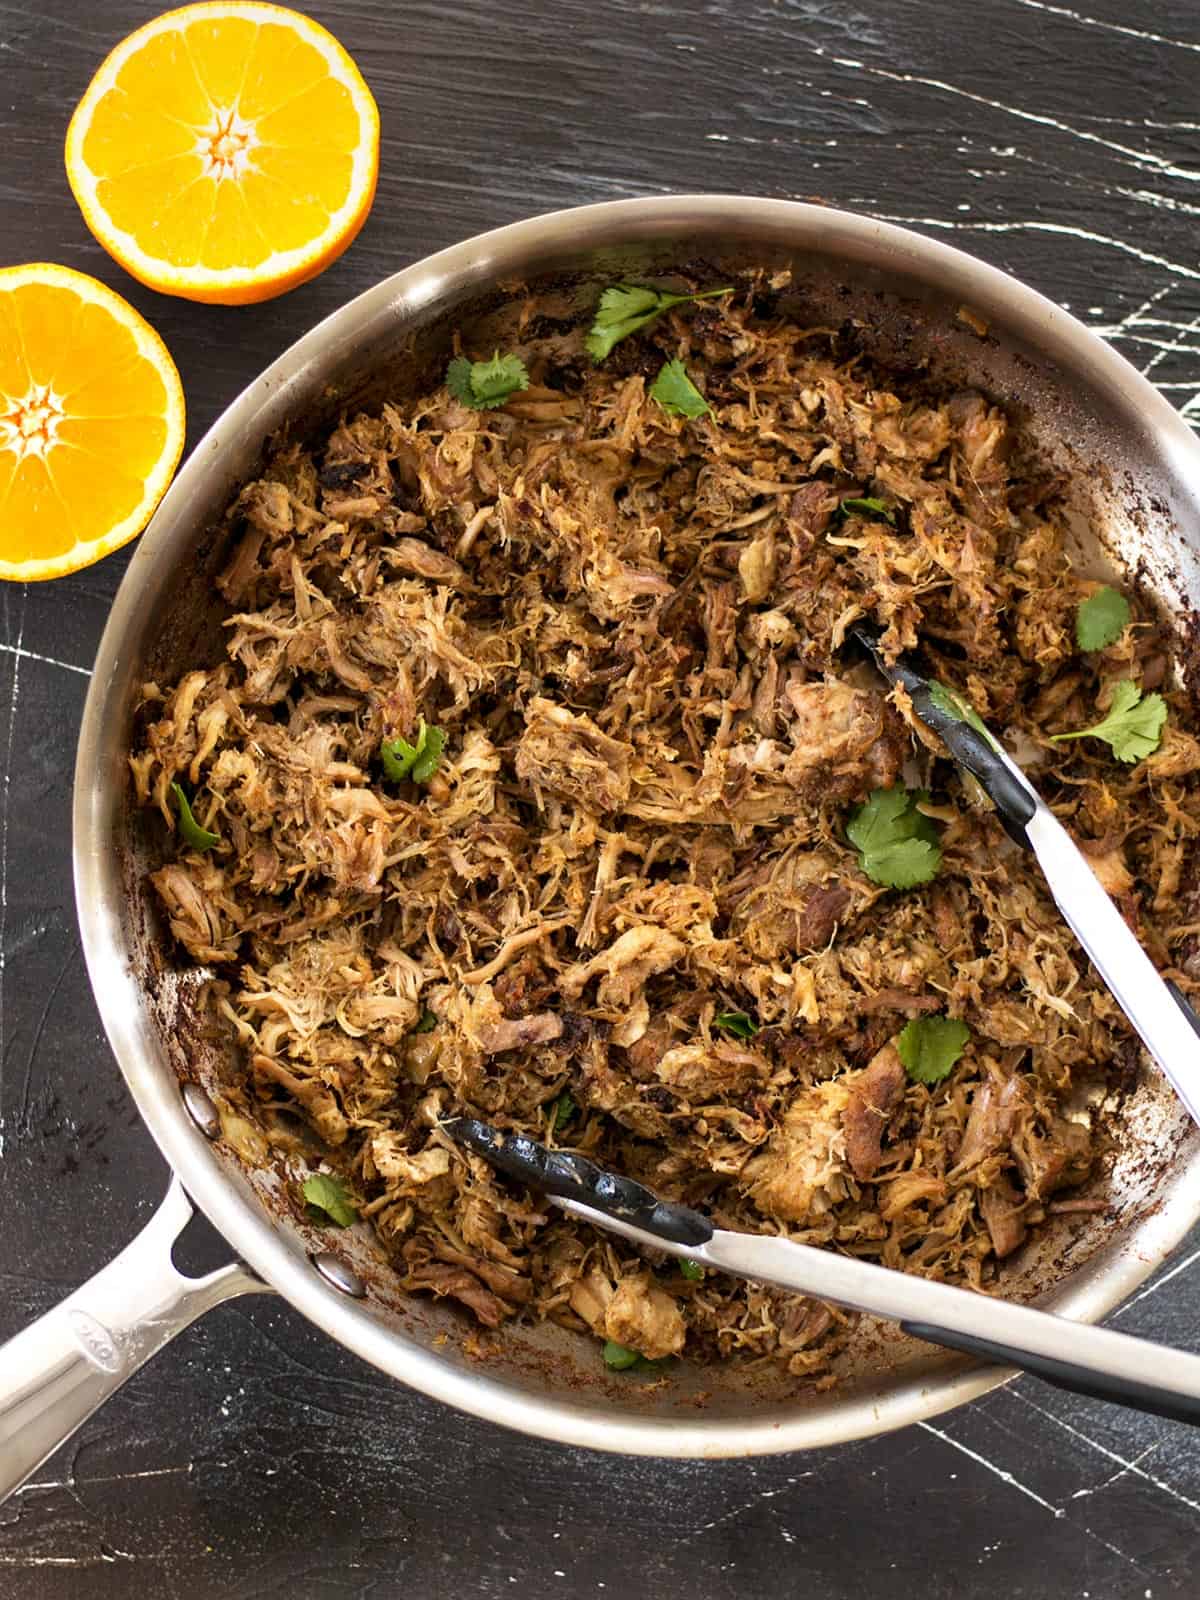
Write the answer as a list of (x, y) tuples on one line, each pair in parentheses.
[(255, 1457)]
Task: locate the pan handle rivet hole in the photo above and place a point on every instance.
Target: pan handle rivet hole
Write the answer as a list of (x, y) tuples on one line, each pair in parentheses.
[(200, 1108), (336, 1272)]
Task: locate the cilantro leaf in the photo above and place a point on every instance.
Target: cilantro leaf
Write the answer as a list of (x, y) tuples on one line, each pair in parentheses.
[(951, 702), (692, 1270), (326, 1194), (929, 1047), (563, 1110), (737, 1023), (897, 846), (622, 1359), (493, 381), (676, 393), (624, 308), (485, 384), (416, 761), (619, 1356), (430, 744), (1101, 619), (1133, 727), (458, 380), (866, 506), (426, 1023), (193, 834)]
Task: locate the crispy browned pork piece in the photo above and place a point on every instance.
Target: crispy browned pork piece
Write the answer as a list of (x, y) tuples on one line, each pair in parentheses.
[(623, 913)]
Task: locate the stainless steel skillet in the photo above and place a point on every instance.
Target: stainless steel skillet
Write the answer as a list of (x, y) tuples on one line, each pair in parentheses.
[(1134, 468)]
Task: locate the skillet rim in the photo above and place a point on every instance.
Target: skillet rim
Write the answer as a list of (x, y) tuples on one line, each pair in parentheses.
[(99, 778)]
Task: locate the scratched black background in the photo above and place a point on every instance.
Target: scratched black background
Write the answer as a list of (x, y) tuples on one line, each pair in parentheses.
[(255, 1458)]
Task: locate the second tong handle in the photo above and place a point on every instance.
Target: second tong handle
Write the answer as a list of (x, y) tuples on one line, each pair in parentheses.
[(1075, 1356)]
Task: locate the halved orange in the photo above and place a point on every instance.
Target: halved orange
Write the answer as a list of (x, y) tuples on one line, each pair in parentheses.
[(226, 151), (91, 421)]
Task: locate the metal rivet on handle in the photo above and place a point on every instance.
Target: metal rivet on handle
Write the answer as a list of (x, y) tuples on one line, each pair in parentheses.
[(336, 1272), (201, 1110)]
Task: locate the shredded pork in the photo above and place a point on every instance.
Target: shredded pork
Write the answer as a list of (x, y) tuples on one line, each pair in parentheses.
[(631, 629)]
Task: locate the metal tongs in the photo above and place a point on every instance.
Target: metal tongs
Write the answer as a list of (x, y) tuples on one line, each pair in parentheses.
[(1157, 1009), (1071, 1355), (1075, 1356)]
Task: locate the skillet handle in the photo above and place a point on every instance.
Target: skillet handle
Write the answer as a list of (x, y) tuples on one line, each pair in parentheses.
[(56, 1372)]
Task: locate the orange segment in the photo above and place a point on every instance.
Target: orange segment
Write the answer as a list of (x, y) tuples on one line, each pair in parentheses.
[(281, 65), (91, 421), (226, 151)]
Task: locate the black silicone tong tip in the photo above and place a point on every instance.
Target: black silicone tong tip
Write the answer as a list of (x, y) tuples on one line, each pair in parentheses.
[(575, 1178), (970, 748), (1185, 1005)]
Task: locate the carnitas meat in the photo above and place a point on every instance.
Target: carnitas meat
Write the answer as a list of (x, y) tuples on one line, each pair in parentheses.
[(622, 914)]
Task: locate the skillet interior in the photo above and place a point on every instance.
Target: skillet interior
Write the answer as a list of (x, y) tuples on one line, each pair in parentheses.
[(1126, 487)]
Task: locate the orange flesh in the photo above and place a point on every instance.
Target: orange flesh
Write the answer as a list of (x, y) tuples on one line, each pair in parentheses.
[(222, 145), (87, 422)]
